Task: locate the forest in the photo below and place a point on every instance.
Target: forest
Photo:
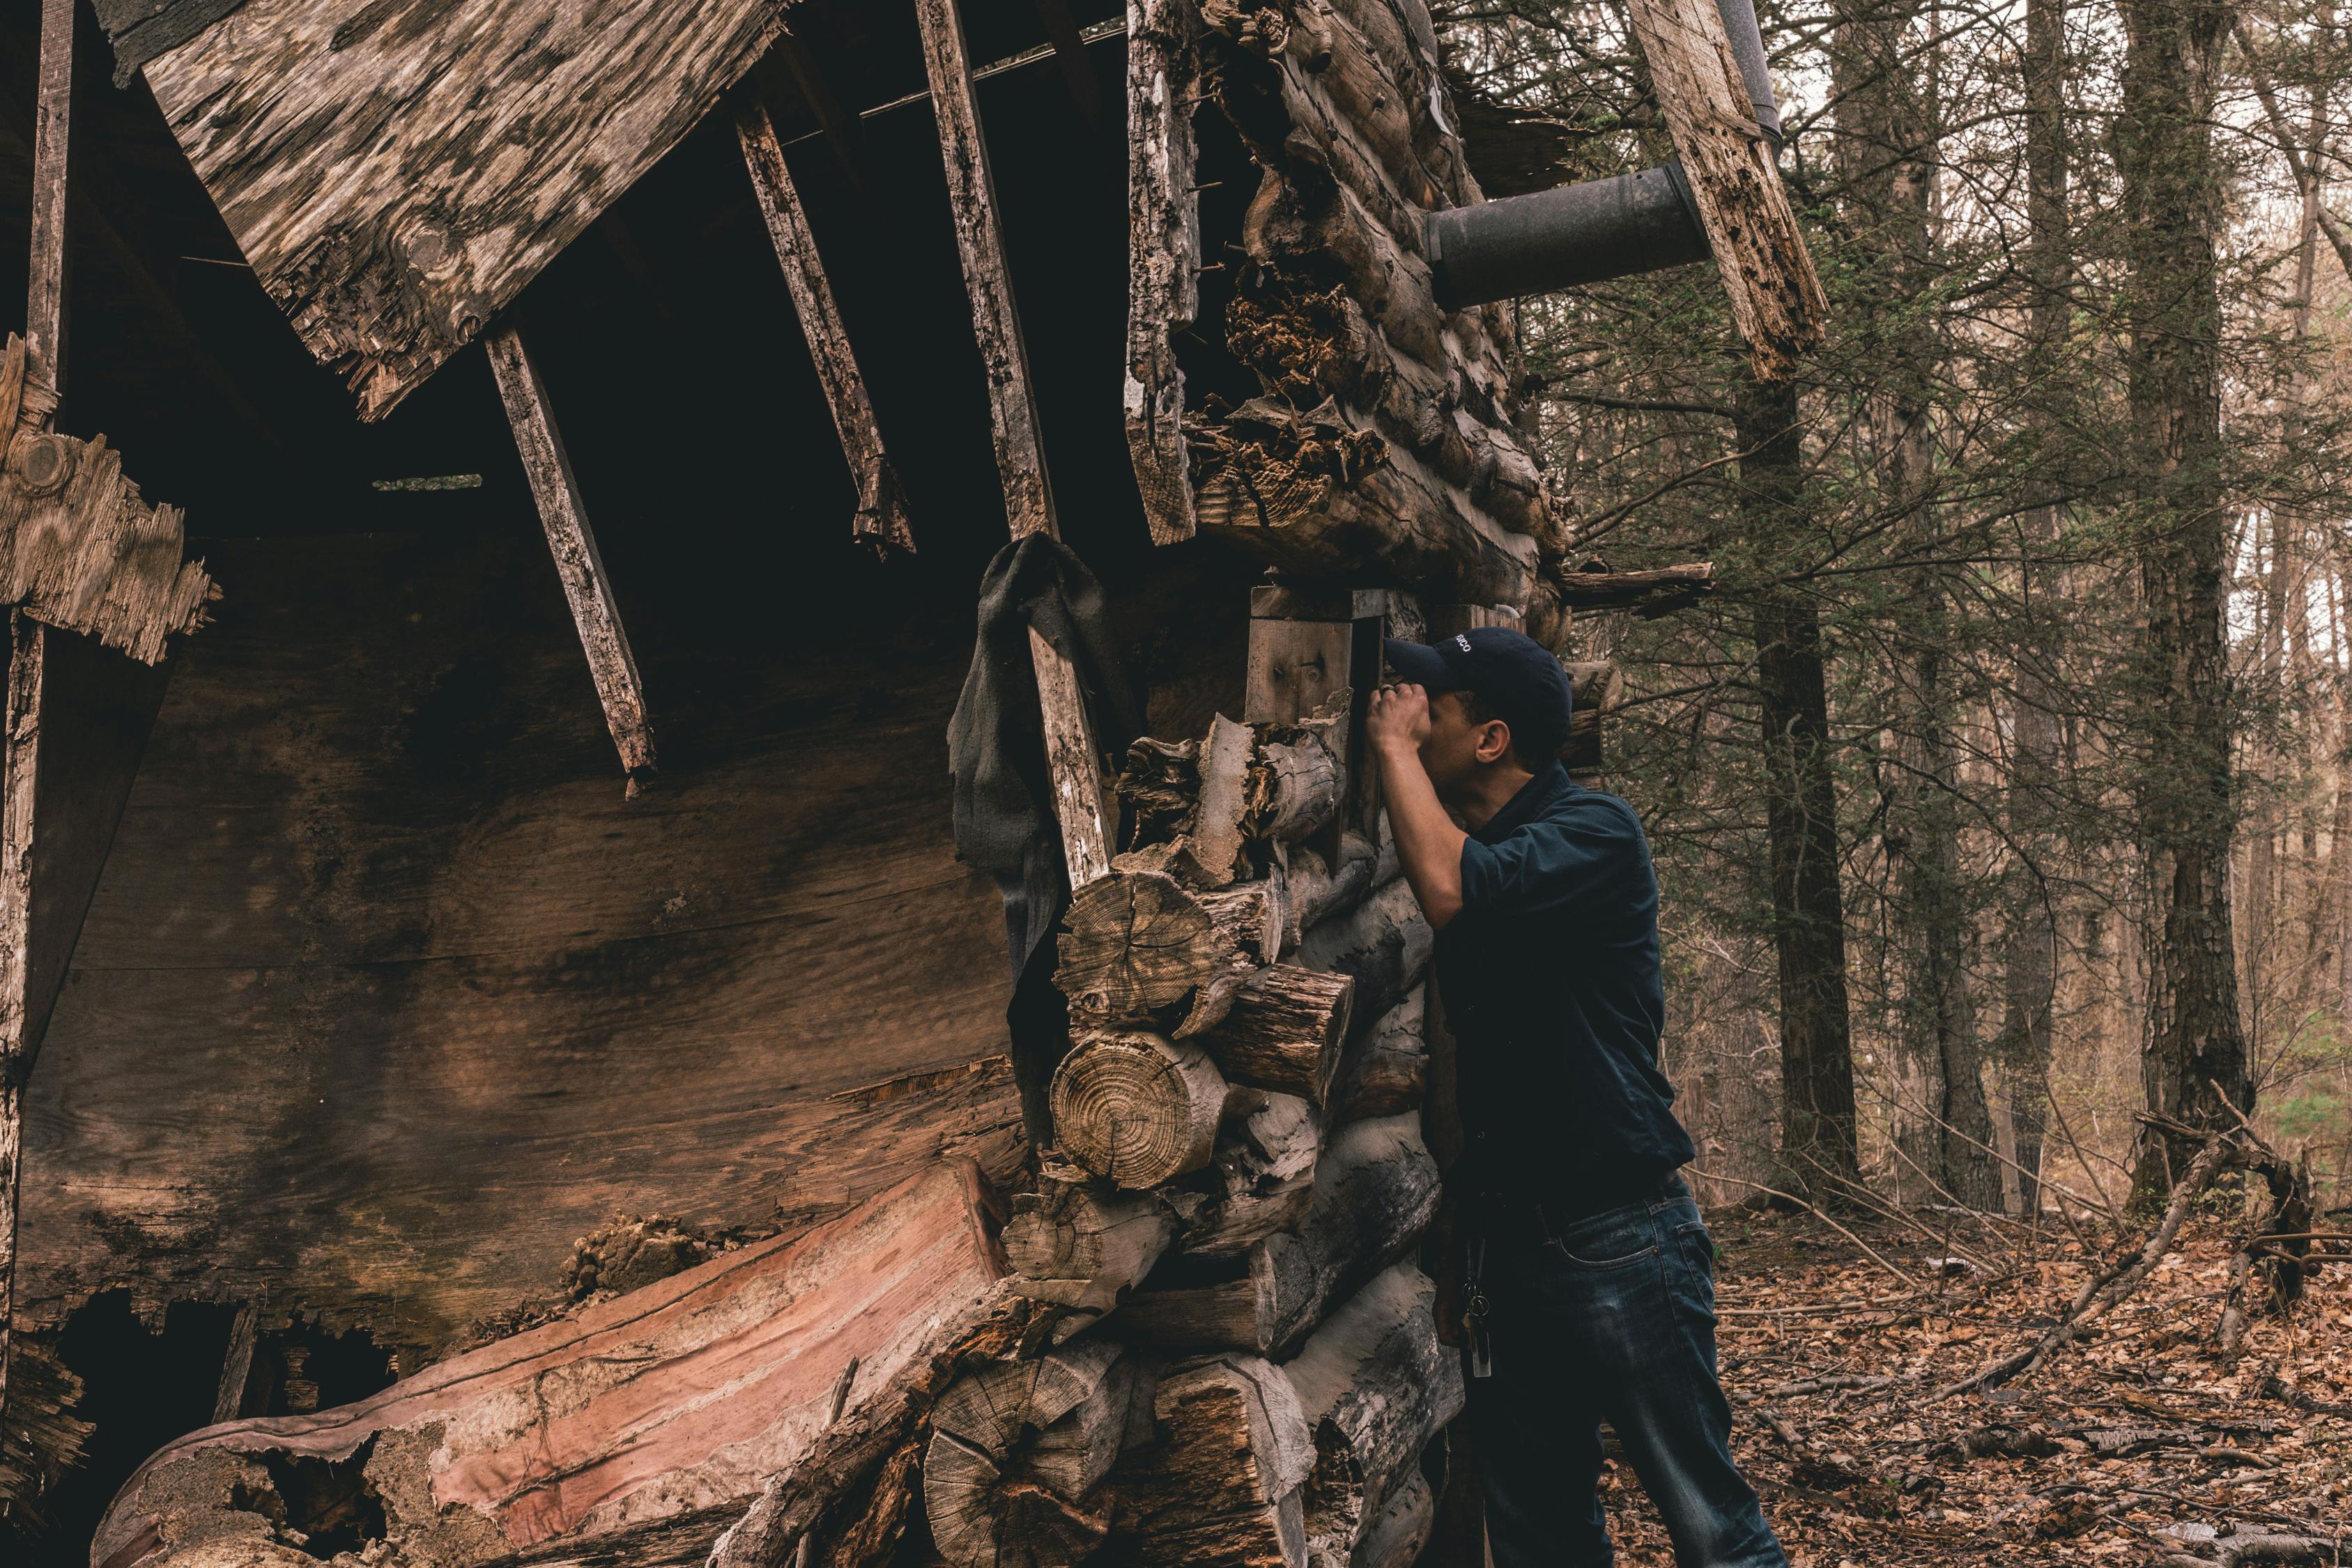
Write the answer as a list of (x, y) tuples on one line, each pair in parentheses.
[(1999, 791)]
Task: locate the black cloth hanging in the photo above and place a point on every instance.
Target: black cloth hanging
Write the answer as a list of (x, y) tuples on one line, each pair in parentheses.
[(1004, 820)]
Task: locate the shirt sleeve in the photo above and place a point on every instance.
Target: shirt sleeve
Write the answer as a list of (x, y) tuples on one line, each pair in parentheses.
[(1591, 858)]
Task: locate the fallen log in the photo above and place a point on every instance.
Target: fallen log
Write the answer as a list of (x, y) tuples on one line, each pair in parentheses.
[(1383, 1072), (1220, 1487), (1376, 1386), (1136, 1107), (1074, 1245), (664, 1410), (1375, 1190)]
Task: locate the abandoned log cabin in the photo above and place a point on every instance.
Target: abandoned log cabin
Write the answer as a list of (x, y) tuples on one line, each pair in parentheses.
[(526, 1035)]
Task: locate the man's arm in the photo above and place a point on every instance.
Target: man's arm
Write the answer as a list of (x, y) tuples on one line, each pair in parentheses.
[(1429, 844)]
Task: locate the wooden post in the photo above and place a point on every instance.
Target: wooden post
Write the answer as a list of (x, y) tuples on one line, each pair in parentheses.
[(20, 743), (1163, 258), (1776, 301), (610, 663), (881, 519), (1070, 752)]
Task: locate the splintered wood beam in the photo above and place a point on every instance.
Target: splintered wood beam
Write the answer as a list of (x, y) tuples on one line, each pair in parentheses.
[(1070, 750), (1648, 594), (1777, 302), (577, 565), (1070, 53), (45, 306), (881, 518), (1163, 258)]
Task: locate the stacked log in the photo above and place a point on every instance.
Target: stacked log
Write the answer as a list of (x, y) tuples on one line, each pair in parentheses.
[(1245, 1367), (1386, 428)]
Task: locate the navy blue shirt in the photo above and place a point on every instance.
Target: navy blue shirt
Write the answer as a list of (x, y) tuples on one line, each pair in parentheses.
[(1551, 986)]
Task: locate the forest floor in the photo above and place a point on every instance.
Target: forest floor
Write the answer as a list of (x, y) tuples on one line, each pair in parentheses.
[(2137, 1444)]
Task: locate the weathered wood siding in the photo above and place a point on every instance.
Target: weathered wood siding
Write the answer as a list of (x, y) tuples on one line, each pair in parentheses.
[(387, 995), (396, 172)]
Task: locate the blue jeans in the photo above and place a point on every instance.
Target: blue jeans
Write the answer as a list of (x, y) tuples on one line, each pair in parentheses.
[(1611, 1320)]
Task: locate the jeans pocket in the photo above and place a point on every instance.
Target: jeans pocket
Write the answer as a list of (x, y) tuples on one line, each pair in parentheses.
[(1695, 1248), (1619, 1245)]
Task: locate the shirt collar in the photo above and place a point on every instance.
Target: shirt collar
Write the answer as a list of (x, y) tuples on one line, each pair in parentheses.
[(1524, 807)]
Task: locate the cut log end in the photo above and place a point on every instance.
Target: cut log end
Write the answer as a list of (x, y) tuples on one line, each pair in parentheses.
[(1137, 1107)]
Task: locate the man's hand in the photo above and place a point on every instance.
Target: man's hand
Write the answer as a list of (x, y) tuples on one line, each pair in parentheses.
[(1399, 717), (1429, 842)]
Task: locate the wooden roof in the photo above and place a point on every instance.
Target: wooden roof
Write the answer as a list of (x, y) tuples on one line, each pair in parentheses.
[(396, 173)]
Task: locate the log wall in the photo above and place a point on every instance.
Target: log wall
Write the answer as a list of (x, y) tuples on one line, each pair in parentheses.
[(1382, 443)]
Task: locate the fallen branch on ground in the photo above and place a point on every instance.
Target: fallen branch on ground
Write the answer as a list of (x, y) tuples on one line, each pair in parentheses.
[(2114, 1284)]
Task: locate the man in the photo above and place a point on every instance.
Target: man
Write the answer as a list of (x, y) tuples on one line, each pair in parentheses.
[(1589, 1285)]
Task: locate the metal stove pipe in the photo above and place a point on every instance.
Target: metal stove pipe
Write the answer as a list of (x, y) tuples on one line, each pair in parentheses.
[(1595, 230)]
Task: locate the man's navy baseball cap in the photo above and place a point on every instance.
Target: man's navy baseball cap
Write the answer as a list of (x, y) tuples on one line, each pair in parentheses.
[(1511, 673)]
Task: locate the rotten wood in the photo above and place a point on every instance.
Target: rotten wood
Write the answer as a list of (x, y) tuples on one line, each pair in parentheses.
[(368, 160), (1386, 1071), (1015, 1447), (1220, 1485), (564, 516), (474, 1462), (1163, 256), (1384, 943), (1072, 758), (881, 517), (1776, 303), (80, 549)]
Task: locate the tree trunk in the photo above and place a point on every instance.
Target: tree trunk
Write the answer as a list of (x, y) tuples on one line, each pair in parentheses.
[(1817, 1118), (2030, 966), (2172, 207)]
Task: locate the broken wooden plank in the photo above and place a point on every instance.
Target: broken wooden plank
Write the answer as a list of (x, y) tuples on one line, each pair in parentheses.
[(611, 663), (44, 306), (1071, 756), (1777, 302), (80, 549), (881, 518), (372, 160), (1163, 257), (663, 1402)]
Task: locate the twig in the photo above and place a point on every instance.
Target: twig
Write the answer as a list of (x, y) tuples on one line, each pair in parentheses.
[(2116, 1283), (1817, 1213)]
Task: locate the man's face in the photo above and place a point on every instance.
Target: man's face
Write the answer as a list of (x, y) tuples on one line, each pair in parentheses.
[(1457, 747)]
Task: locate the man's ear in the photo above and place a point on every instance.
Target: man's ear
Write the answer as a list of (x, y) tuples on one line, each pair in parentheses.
[(1494, 741)]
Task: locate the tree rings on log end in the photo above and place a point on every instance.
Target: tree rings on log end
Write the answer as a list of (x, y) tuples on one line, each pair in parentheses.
[(1137, 1107)]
